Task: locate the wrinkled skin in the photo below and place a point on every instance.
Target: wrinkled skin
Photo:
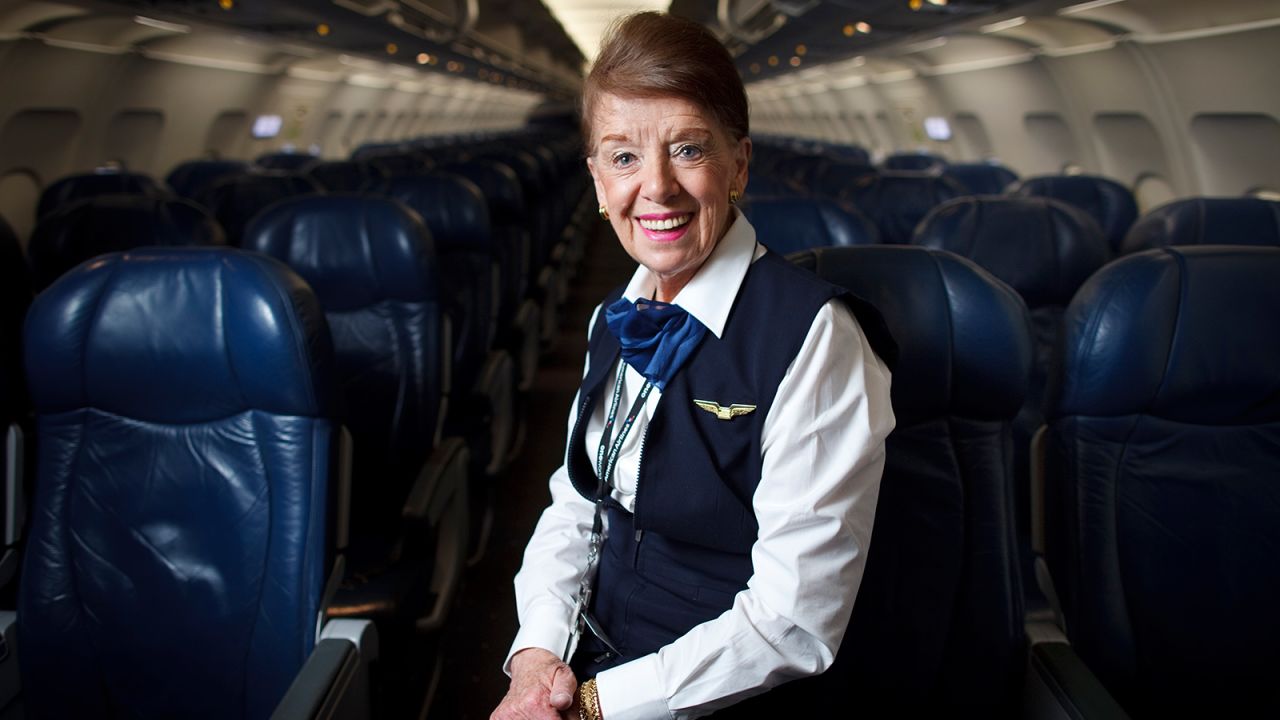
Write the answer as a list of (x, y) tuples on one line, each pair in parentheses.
[(542, 688)]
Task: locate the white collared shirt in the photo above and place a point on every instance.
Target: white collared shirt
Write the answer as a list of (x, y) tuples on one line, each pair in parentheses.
[(823, 455)]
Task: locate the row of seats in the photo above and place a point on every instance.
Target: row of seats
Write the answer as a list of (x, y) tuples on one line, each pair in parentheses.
[(1157, 509), (385, 321)]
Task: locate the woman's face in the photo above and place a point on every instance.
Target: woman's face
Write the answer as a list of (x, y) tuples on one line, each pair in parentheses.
[(663, 167)]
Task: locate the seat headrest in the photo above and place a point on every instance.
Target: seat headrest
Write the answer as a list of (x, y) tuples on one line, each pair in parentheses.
[(77, 187), (1043, 248), (452, 206), (1189, 334), (191, 178), (915, 162), (179, 335), (235, 200), (964, 337), (1108, 202), (789, 224), (898, 201), (112, 223), (285, 161), (760, 185), (983, 178), (1207, 221), (836, 177), (500, 186), (344, 175), (355, 250)]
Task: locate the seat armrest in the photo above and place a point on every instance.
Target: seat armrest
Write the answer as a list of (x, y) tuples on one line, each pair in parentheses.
[(444, 474), (1060, 687), (438, 501), (334, 682)]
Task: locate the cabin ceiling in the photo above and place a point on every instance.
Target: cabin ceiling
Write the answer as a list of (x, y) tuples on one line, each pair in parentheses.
[(544, 48)]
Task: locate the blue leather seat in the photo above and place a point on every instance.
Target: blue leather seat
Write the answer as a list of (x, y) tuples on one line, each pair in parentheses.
[(1109, 203), (285, 161), (787, 225), (1207, 221), (178, 568), (86, 185), (234, 201), (982, 178), (1161, 459), (111, 223), (1044, 250), (914, 162), (760, 185), (345, 175), (898, 201), (834, 178), (191, 178), (502, 191), (938, 625)]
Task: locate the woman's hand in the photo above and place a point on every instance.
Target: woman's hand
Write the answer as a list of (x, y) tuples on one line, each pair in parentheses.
[(542, 688)]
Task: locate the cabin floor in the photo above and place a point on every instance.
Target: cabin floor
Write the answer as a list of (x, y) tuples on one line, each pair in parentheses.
[(483, 622)]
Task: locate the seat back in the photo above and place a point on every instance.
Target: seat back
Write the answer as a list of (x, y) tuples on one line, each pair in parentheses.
[(983, 178), (86, 185), (234, 201), (1207, 221), (373, 266), (345, 175), (191, 178), (898, 201), (112, 223), (178, 542), (503, 192), (286, 161), (790, 224), (919, 161), (938, 620), (1109, 203), (835, 178), (1163, 450)]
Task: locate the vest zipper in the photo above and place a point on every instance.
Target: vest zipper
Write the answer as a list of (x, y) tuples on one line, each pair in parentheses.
[(635, 516), (573, 440)]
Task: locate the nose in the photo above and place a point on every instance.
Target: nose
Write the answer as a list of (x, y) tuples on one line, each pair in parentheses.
[(659, 183)]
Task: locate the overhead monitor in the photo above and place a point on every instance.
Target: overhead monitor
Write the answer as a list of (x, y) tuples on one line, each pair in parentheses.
[(267, 126), (937, 128)]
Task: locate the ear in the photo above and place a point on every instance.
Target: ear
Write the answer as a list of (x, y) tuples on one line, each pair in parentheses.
[(595, 178), (742, 160)]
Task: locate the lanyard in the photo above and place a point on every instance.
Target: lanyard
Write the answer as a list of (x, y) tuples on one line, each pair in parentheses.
[(605, 464)]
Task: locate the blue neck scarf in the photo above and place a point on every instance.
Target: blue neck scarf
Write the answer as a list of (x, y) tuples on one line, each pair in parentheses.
[(656, 337)]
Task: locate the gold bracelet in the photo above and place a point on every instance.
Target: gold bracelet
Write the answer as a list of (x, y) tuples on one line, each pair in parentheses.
[(588, 701)]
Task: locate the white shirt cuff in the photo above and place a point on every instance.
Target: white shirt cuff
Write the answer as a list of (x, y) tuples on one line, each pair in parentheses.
[(545, 628), (627, 692)]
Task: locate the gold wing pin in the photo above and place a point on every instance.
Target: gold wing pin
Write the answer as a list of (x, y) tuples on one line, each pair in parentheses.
[(724, 413)]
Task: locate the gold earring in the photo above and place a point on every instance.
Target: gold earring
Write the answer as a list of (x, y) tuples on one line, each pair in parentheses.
[(733, 197), (604, 212)]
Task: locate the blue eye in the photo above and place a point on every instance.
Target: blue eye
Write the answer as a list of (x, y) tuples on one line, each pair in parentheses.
[(688, 152), (623, 159)]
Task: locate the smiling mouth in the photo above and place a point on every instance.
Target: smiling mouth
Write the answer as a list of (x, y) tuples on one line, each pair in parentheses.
[(670, 223)]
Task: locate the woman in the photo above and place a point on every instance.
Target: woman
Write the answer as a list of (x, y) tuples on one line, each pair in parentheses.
[(726, 447)]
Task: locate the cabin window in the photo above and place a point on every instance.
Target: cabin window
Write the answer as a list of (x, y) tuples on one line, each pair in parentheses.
[(972, 137), (19, 193), (888, 135), (330, 141), (864, 134), (1052, 144), (1130, 148), (1151, 191), (1236, 151), (355, 130), (133, 137), (40, 143), (227, 134), (377, 128)]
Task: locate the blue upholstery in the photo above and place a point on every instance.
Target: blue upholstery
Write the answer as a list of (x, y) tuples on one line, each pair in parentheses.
[(373, 265), (111, 223), (456, 214), (177, 547), (1109, 203), (1162, 456), (914, 162), (1207, 221), (834, 178), (762, 185), (984, 178), (397, 165), (898, 201), (938, 622), (787, 225), (502, 190), (287, 161), (234, 201), (191, 178), (345, 175), (78, 187)]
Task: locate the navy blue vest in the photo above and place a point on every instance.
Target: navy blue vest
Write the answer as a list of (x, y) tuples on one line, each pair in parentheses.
[(685, 553)]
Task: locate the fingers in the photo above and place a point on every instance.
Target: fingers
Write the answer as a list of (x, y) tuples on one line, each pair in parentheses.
[(563, 686)]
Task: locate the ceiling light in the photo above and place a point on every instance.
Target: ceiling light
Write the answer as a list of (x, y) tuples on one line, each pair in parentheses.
[(1009, 24), (1086, 6), (795, 61), (773, 61), (423, 58), (755, 68), (863, 27), (322, 30), (801, 49), (392, 48), (226, 4), (161, 25)]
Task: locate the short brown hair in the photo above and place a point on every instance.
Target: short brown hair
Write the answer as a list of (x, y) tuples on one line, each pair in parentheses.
[(650, 54)]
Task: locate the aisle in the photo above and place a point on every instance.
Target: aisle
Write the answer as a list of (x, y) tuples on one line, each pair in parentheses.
[(484, 621)]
